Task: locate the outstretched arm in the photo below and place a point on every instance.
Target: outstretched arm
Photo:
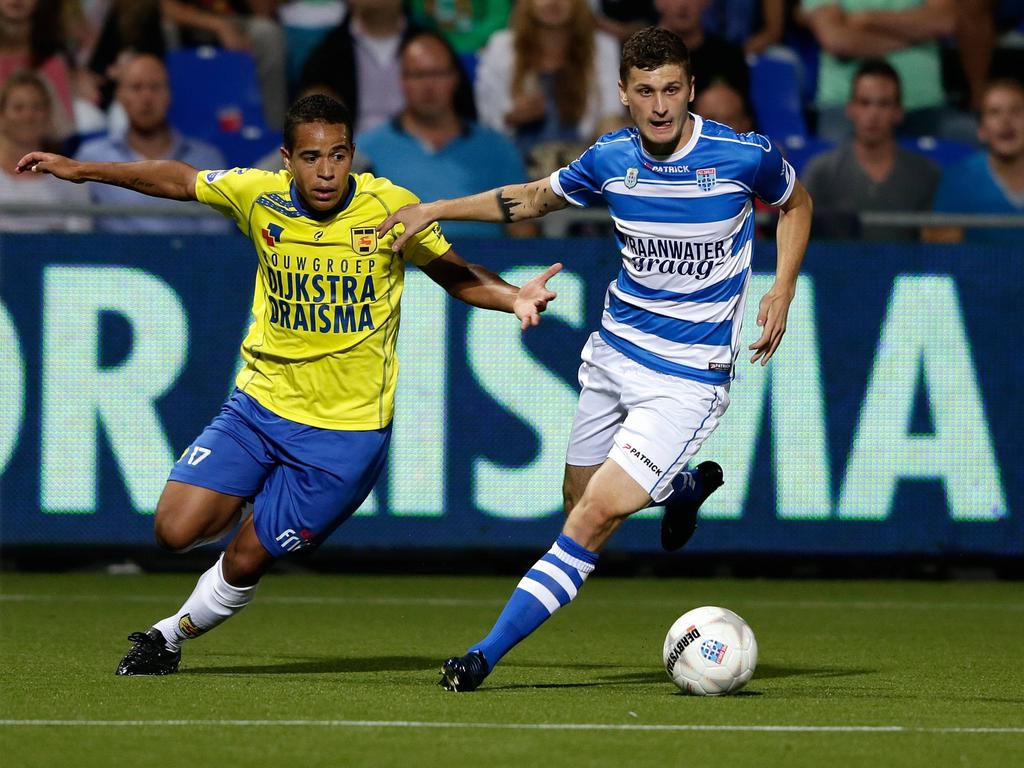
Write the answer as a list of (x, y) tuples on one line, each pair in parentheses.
[(159, 178), (516, 202), (479, 287), (791, 243)]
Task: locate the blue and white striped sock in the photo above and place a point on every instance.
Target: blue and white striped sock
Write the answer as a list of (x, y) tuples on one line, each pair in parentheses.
[(552, 582)]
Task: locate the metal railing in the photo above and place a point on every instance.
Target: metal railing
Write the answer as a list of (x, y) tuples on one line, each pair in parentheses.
[(556, 224)]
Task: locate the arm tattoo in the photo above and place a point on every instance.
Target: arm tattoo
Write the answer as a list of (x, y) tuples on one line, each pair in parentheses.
[(508, 204), (140, 184)]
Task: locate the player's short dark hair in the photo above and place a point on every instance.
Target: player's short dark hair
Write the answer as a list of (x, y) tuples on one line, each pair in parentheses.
[(315, 108), (653, 47), (878, 68)]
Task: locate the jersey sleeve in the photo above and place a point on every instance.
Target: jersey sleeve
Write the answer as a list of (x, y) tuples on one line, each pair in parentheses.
[(423, 247), (578, 183), (774, 178), (231, 192)]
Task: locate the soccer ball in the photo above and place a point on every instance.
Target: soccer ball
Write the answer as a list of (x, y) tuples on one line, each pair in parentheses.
[(710, 651)]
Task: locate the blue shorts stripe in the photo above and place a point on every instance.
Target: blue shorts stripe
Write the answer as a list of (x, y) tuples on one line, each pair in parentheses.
[(692, 438)]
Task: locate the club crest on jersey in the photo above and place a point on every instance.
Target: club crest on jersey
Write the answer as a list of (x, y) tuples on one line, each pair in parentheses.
[(707, 178), (631, 177), (272, 234), (364, 240)]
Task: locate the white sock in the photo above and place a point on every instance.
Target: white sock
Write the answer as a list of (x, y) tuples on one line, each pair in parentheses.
[(211, 602)]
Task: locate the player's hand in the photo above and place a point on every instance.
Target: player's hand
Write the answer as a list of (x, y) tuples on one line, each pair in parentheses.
[(47, 162), (414, 218), (771, 316), (534, 296)]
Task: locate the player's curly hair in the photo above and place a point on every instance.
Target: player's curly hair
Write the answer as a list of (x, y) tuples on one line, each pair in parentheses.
[(315, 108), (653, 47)]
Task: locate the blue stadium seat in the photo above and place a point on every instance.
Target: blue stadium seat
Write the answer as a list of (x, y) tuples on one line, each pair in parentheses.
[(300, 43), (775, 94), (216, 97), (942, 151), (469, 62)]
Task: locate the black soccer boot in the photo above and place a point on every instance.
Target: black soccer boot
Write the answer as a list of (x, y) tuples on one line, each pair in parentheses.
[(149, 655), (680, 519), (463, 673)]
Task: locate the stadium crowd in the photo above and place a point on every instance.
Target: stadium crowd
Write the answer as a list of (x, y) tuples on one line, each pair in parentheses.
[(881, 105)]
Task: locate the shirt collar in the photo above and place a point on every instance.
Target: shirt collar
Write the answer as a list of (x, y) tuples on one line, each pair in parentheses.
[(465, 128), (322, 216)]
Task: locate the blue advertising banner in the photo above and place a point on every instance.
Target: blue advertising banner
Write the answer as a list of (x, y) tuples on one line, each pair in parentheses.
[(890, 420)]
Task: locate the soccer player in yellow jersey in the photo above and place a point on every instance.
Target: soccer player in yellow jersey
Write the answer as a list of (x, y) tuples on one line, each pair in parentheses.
[(306, 431)]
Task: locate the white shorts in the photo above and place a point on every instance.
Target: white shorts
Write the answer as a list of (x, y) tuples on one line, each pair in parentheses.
[(651, 424)]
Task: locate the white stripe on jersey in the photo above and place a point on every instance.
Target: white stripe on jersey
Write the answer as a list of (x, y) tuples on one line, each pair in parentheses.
[(705, 230), (684, 189), (556, 187), (689, 311)]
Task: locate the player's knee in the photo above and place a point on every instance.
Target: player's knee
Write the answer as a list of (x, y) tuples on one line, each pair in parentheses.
[(594, 511), (170, 533)]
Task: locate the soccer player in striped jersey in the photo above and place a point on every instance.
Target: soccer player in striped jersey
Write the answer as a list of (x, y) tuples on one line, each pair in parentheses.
[(655, 377), (307, 429)]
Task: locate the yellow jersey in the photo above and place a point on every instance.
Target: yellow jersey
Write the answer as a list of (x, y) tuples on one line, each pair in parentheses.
[(321, 347)]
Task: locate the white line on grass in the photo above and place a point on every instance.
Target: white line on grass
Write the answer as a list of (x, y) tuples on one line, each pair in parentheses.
[(455, 602), (412, 724)]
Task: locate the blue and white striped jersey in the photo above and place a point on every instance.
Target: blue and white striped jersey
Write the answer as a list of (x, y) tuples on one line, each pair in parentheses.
[(685, 228)]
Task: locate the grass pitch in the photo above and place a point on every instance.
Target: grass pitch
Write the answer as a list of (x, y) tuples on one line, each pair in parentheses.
[(341, 671)]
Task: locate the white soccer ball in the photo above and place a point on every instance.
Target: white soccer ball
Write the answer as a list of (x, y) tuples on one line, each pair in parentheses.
[(710, 651)]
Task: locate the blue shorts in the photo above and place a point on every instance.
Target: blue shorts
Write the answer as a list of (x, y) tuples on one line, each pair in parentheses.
[(305, 481)]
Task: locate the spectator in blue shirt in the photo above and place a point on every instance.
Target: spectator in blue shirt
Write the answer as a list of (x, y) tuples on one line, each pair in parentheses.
[(434, 147), (144, 93), (991, 181)]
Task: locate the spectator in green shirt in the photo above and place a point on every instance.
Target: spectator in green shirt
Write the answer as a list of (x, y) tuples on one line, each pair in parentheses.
[(466, 24), (904, 33)]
